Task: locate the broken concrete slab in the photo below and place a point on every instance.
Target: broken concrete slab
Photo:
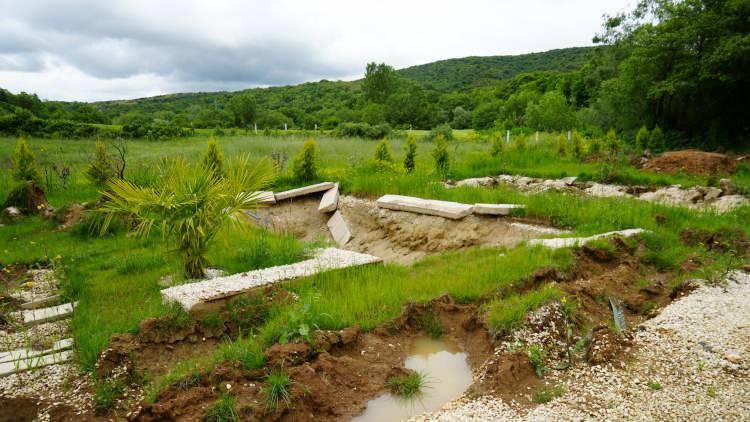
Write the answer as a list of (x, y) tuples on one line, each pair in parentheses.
[(23, 354), (339, 229), (53, 313), (9, 368), (495, 209), (330, 200), (569, 180), (204, 295), (567, 242), (452, 210), (41, 302), (306, 190)]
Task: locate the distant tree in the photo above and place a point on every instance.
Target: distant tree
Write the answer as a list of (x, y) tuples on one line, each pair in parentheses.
[(485, 115), (440, 155), (373, 113), (86, 113), (213, 158), (101, 167), (656, 142), (305, 164), (243, 108), (641, 139), (552, 112), (382, 153), (24, 163), (443, 130), (461, 118), (410, 148), (380, 82)]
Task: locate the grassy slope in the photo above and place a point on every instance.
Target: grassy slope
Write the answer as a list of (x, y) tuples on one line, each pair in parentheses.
[(127, 269)]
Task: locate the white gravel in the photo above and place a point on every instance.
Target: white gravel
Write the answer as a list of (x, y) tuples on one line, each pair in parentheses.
[(697, 349), (189, 295)]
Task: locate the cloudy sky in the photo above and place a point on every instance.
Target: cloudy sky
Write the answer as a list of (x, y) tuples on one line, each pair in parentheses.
[(90, 50)]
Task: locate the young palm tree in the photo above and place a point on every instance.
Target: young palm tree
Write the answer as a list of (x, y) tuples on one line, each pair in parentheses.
[(189, 204)]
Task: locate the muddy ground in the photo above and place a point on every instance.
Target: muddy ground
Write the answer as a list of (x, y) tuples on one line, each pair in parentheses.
[(397, 236), (692, 162), (340, 371)]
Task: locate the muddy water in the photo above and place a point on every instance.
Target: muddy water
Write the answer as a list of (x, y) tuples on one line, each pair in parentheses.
[(448, 375)]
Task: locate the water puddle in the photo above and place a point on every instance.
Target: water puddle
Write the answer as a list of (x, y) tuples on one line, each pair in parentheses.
[(448, 375)]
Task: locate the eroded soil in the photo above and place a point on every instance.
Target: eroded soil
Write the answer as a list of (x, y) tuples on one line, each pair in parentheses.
[(397, 236)]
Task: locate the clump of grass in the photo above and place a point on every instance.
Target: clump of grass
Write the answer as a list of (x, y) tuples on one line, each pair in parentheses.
[(246, 351), (407, 386), (506, 314), (536, 356), (654, 385), (223, 410), (184, 375), (277, 388), (431, 324), (547, 394), (106, 394)]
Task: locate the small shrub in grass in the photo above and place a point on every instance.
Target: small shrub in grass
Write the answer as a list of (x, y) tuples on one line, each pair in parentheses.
[(223, 410), (595, 146), (24, 163), (547, 394), (407, 386), (577, 145), (277, 388), (443, 130), (656, 141), (641, 139), (497, 145), (100, 168), (106, 394), (382, 152), (93, 225), (561, 147), (410, 149), (440, 155), (306, 162), (213, 158), (537, 355)]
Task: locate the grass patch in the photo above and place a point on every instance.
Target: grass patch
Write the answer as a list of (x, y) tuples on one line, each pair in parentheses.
[(547, 394), (654, 385), (106, 394), (537, 355), (223, 410), (184, 375), (506, 314), (277, 388), (246, 351), (407, 386)]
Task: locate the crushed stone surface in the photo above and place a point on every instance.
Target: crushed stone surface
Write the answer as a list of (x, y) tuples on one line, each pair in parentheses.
[(690, 362)]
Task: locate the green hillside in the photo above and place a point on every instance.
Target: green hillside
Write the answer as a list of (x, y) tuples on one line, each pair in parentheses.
[(453, 74)]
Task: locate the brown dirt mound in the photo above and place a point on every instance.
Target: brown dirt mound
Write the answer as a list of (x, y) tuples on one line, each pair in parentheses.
[(692, 162), (395, 236)]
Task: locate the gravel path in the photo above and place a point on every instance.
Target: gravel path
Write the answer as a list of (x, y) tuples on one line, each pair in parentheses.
[(692, 362)]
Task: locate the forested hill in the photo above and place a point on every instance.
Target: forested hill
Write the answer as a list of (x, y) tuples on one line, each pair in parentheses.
[(453, 74)]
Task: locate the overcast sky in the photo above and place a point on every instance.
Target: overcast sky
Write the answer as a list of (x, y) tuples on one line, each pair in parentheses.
[(101, 49)]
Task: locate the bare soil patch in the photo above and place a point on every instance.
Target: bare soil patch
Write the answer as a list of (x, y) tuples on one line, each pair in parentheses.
[(397, 236), (692, 162)]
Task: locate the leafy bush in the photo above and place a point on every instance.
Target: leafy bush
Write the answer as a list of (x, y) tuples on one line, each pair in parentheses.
[(24, 163), (363, 130), (410, 149), (100, 168), (305, 164), (440, 155), (106, 394), (382, 153), (537, 355), (577, 145), (443, 130)]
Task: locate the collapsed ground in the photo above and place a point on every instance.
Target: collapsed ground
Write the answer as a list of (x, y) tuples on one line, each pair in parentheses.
[(166, 356)]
